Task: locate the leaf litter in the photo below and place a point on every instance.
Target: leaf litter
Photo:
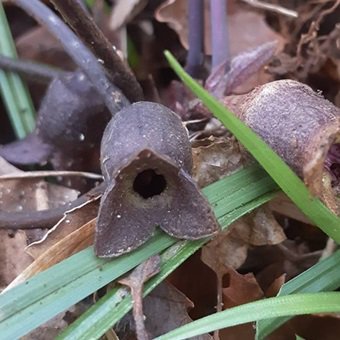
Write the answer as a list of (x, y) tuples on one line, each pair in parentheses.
[(259, 252)]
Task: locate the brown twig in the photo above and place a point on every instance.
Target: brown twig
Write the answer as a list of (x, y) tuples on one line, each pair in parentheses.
[(46, 218), (88, 63), (30, 70), (85, 27)]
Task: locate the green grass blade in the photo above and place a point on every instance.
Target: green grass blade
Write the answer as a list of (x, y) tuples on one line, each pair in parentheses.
[(297, 337), (295, 189), (14, 92), (324, 276), (297, 304), (112, 307), (37, 300), (30, 304), (10, 104)]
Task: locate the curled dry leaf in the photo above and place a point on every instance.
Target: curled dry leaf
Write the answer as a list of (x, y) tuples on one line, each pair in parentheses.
[(214, 158), (136, 281), (146, 162), (247, 29)]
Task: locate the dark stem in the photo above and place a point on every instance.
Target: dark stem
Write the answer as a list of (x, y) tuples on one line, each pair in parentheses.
[(88, 63), (196, 38), (46, 218), (30, 70), (85, 27), (219, 32)]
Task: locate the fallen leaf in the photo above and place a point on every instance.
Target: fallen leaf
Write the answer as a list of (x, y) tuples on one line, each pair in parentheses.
[(275, 286), (18, 195), (260, 228), (66, 247), (13, 259), (214, 158), (239, 289), (225, 250)]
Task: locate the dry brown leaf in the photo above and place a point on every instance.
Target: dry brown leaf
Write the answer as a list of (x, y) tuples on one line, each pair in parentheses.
[(66, 247), (247, 29), (229, 248), (275, 286), (18, 195), (214, 158), (283, 205), (224, 250), (198, 282), (30, 194), (259, 228), (239, 289), (13, 259)]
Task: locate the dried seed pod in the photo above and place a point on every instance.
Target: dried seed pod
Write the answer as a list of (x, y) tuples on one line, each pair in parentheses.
[(71, 105), (298, 123), (70, 124), (146, 162), (72, 114)]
